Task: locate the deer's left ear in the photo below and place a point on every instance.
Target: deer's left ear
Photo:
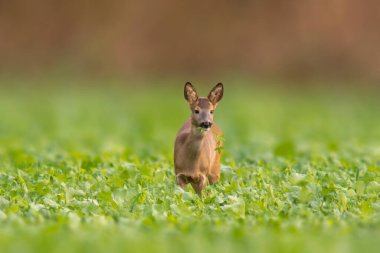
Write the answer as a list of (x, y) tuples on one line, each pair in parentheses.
[(216, 94)]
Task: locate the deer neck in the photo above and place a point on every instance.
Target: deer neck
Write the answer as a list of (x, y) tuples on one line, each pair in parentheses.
[(196, 140)]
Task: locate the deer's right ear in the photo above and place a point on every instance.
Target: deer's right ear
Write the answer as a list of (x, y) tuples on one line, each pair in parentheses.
[(190, 93)]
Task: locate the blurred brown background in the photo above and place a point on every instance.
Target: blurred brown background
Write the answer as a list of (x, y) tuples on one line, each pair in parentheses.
[(337, 39)]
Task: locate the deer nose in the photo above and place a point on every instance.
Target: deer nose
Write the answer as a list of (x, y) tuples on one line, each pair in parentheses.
[(205, 124)]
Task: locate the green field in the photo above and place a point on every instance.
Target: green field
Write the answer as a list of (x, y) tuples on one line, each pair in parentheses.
[(90, 169)]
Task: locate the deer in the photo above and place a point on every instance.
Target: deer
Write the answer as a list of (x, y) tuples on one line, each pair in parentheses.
[(198, 145)]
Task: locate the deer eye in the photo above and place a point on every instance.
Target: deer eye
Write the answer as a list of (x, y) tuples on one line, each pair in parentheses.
[(196, 111), (212, 111)]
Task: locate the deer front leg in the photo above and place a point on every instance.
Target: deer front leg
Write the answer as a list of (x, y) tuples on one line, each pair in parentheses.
[(199, 183), (182, 181), (213, 178)]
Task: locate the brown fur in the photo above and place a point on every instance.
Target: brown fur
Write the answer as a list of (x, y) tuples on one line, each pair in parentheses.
[(196, 159)]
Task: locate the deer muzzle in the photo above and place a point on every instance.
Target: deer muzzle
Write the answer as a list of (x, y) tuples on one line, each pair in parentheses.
[(206, 125)]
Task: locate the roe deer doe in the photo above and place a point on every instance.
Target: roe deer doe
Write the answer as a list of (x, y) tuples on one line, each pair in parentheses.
[(197, 147)]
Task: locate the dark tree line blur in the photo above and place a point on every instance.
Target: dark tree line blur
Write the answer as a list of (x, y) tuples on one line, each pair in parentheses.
[(301, 39)]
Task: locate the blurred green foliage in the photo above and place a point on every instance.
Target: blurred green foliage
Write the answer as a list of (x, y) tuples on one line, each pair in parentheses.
[(90, 170)]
